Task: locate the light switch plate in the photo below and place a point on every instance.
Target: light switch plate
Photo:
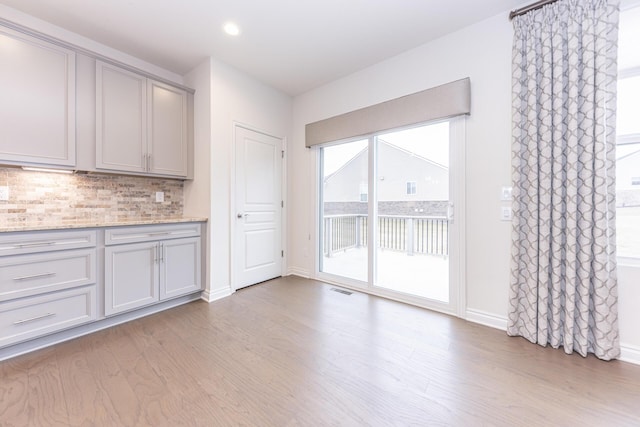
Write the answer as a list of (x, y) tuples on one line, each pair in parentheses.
[(506, 194), (159, 196), (4, 193)]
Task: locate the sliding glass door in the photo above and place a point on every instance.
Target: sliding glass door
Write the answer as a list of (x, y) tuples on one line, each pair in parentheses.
[(386, 214), (412, 189), (344, 210)]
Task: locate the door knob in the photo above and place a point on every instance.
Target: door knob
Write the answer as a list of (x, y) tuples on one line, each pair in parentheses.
[(240, 215)]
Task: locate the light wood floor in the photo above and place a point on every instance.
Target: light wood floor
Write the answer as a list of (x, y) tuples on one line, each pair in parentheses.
[(290, 352)]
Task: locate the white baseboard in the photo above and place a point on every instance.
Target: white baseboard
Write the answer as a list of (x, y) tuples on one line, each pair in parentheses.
[(630, 353), (487, 319), (211, 296), (301, 272)]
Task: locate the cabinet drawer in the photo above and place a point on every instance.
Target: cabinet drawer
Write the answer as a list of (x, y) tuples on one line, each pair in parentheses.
[(25, 275), (31, 317), (32, 242), (119, 235)]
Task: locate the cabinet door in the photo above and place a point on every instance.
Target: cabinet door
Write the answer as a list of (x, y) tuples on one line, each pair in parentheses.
[(121, 114), (167, 129), (37, 101), (180, 271), (131, 276)]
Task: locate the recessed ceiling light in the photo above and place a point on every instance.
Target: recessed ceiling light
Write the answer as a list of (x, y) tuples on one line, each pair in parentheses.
[(231, 29)]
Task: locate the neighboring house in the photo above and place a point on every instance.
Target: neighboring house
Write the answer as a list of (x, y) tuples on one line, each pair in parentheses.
[(408, 184), (628, 180)]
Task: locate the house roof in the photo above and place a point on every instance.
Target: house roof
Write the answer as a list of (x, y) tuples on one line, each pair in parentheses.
[(628, 155), (392, 146)]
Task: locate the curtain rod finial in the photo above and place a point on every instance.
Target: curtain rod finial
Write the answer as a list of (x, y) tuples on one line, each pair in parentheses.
[(526, 9)]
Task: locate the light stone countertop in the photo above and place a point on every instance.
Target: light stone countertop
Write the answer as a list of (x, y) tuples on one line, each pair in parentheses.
[(94, 223)]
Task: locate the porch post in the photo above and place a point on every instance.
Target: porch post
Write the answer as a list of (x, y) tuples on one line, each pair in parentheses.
[(329, 236), (409, 235)]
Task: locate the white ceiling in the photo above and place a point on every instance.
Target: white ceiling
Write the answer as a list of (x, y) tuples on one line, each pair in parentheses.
[(293, 45)]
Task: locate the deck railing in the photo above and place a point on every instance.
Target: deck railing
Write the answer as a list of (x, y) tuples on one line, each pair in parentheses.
[(413, 235)]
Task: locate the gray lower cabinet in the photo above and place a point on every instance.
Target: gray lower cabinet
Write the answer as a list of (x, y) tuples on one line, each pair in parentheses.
[(51, 281), (47, 283), (130, 276), (157, 265), (180, 271)]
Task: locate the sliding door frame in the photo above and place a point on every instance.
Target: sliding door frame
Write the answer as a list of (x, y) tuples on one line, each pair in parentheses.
[(457, 256)]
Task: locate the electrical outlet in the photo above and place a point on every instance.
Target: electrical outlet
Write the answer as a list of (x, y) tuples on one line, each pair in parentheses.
[(4, 193), (159, 196), (506, 213)]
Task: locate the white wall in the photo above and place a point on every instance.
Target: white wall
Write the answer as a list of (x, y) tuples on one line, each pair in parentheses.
[(197, 193), (483, 53), (234, 97)]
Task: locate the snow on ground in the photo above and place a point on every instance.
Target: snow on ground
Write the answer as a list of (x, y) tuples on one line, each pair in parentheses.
[(421, 275)]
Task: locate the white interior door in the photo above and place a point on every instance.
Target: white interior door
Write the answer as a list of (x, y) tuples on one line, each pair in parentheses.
[(258, 196)]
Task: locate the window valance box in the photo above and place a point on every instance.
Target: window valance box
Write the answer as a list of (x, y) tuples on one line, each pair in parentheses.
[(441, 102)]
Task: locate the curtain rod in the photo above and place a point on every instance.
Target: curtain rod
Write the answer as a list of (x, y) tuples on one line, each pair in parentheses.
[(532, 6)]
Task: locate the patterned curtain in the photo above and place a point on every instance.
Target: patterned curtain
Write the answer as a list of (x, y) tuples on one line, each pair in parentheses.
[(563, 275)]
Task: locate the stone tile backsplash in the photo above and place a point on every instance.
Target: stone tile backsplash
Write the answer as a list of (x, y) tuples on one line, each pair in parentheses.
[(58, 199)]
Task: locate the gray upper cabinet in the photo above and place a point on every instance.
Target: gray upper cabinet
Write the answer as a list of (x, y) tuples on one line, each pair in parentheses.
[(167, 129), (141, 124), (37, 101), (121, 114)]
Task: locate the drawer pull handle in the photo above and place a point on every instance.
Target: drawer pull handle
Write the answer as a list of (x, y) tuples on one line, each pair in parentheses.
[(34, 244), (162, 233), (42, 316), (33, 276)]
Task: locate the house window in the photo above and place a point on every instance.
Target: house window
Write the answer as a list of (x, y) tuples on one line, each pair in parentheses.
[(628, 167), (628, 137), (411, 187), (364, 192)]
